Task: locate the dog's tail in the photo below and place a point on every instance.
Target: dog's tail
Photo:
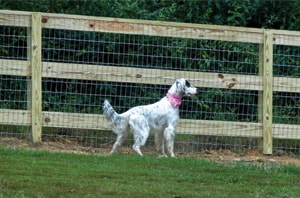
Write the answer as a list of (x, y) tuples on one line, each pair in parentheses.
[(109, 112), (116, 120)]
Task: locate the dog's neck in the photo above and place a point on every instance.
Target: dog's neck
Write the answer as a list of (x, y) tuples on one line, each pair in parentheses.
[(174, 99)]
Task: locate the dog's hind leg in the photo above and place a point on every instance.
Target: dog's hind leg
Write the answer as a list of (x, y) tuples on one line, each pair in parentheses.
[(141, 131), (118, 142), (169, 134)]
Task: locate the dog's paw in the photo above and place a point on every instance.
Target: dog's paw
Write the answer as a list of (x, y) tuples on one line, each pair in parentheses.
[(162, 155)]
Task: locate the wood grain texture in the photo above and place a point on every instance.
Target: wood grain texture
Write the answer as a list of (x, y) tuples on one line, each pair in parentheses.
[(36, 78), (151, 28), (267, 93), (145, 76), (185, 126)]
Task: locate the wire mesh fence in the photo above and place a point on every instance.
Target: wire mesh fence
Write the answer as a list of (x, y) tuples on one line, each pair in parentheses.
[(130, 65), (13, 91), (286, 103)]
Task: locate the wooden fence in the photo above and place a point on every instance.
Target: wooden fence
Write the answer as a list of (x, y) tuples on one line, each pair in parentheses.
[(34, 69)]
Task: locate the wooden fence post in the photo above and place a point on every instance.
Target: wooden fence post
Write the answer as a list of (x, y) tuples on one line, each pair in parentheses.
[(34, 85), (260, 94), (267, 95)]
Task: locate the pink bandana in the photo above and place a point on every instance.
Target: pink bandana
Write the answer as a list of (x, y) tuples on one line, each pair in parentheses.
[(174, 100)]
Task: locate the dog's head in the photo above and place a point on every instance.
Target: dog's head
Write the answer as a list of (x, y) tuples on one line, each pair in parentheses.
[(182, 87)]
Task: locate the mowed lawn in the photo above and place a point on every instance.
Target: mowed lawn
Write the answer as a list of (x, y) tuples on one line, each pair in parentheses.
[(33, 173)]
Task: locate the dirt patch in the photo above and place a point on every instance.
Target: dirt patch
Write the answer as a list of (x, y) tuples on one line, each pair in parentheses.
[(252, 156)]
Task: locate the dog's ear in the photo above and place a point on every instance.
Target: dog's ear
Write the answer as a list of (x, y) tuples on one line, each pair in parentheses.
[(187, 83), (179, 85)]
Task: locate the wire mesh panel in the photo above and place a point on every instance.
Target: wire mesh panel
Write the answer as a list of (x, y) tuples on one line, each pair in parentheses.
[(286, 103), (225, 106), (120, 56), (13, 83)]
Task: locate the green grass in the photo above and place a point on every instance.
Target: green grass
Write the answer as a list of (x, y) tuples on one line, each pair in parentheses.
[(33, 173)]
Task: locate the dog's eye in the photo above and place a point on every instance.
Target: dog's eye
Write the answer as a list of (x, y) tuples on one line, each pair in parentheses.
[(187, 83)]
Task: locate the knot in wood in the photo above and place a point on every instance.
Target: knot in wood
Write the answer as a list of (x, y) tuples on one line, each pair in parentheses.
[(47, 120), (44, 20)]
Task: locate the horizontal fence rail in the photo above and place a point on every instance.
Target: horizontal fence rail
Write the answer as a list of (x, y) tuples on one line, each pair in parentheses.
[(36, 69), (145, 76)]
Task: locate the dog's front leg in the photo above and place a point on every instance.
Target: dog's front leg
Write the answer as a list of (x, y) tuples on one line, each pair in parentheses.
[(169, 135), (160, 143)]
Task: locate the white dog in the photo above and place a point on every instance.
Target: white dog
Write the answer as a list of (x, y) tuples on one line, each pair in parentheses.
[(161, 118)]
